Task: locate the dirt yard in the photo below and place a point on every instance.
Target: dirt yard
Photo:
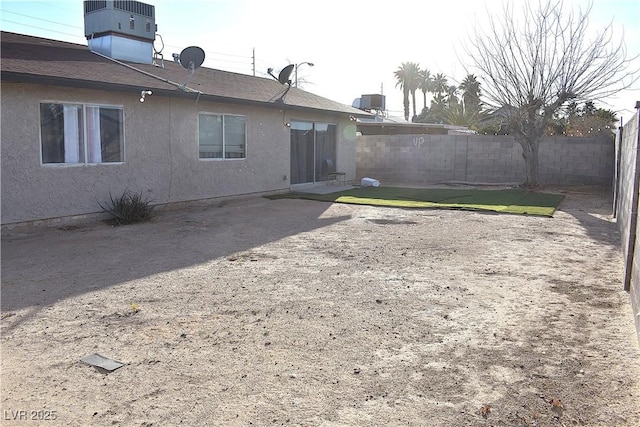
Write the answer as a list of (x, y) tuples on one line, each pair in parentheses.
[(261, 312)]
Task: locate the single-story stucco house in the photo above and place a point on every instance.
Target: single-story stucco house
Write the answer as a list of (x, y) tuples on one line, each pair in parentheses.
[(79, 124)]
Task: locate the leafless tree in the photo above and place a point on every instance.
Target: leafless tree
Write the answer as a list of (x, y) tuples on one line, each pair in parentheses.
[(534, 62)]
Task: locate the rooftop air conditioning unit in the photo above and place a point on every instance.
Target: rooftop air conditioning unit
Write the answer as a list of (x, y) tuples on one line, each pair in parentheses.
[(119, 29), (372, 102)]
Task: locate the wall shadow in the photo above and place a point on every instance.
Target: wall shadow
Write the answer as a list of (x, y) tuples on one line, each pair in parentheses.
[(46, 265), (593, 208), (43, 266)]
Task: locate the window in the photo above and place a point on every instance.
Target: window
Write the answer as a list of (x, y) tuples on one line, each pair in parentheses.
[(75, 133), (221, 136)]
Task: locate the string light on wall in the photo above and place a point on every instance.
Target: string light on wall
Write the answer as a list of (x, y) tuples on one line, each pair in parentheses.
[(144, 93)]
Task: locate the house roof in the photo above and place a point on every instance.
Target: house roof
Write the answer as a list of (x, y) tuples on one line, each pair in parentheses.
[(28, 59), (498, 116), (391, 128)]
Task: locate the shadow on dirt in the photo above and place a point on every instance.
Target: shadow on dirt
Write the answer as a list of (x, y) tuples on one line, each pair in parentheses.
[(594, 214), (42, 266)]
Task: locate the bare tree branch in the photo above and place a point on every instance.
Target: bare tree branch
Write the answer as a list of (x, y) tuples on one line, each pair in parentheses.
[(535, 61)]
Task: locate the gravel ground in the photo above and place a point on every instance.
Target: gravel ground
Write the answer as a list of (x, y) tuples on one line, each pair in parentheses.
[(259, 312)]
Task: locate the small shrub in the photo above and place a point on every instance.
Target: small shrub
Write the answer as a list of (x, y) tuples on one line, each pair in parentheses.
[(128, 208)]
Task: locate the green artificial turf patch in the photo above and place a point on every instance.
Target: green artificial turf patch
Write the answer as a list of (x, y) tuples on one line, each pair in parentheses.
[(515, 201)]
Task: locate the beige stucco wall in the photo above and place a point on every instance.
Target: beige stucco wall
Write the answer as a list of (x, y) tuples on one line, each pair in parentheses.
[(161, 153)]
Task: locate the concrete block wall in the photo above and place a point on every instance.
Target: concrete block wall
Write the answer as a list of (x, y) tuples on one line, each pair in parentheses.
[(582, 161), (428, 159), (491, 159)]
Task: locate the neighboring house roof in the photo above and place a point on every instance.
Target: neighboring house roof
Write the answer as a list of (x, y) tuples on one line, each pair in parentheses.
[(498, 115), (377, 118), (28, 59), (391, 128)]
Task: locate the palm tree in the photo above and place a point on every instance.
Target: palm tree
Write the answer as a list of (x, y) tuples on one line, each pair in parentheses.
[(470, 88), (452, 98), (415, 83), (408, 78), (438, 108), (440, 84), (589, 108), (401, 81), (572, 109), (589, 120), (426, 85), (457, 114), (607, 116)]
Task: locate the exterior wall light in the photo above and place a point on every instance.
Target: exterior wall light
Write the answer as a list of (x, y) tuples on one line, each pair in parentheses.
[(144, 93)]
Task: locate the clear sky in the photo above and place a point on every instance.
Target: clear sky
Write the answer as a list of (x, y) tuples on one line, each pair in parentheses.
[(355, 45)]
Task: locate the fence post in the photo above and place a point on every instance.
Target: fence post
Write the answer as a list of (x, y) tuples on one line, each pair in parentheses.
[(616, 171)]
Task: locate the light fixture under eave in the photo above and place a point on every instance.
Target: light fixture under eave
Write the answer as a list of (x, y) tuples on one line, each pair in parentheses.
[(144, 93)]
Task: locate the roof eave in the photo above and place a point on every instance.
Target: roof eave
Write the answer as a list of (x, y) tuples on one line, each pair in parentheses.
[(16, 77)]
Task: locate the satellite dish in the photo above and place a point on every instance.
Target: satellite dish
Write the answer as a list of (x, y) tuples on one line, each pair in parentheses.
[(283, 78), (192, 57), (284, 75)]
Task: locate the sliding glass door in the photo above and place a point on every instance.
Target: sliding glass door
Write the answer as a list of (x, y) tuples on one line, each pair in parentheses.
[(313, 151)]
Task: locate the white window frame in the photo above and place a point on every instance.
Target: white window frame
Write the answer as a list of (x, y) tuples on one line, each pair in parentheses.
[(85, 132), (224, 143)]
